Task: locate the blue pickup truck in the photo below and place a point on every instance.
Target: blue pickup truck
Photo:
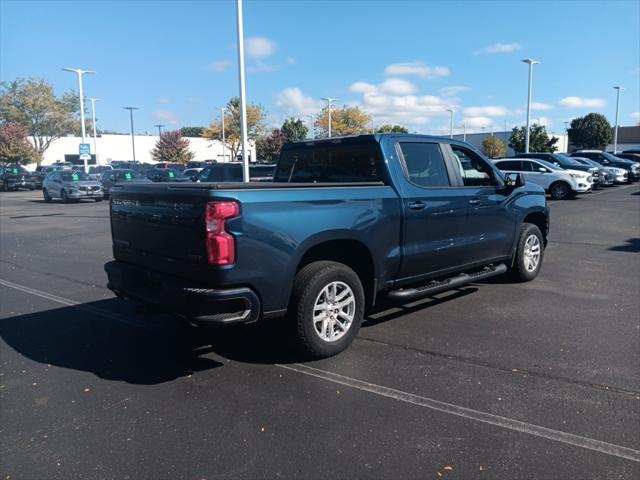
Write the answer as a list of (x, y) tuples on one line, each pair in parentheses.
[(345, 222)]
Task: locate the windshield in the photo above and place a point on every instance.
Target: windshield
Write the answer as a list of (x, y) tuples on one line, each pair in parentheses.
[(550, 166), (99, 169), (613, 158), (75, 176), (171, 173), (566, 159), (129, 175), (17, 170)]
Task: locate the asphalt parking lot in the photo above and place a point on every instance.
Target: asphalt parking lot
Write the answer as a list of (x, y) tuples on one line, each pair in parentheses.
[(495, 380)]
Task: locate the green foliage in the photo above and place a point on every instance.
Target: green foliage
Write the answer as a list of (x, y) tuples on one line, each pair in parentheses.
[(294, 130), (392, 129), (592, 131), (539, 140), (33, 104), (493, 147), (255, 125), (14, 146), (171, 147), (192, 131), (268, 146)]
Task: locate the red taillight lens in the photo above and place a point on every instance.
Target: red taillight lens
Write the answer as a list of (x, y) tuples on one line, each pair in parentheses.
[(221, 246)]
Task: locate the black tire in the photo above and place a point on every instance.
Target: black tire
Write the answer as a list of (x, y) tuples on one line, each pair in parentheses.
[(45, 194), (519, 271), (98, 199), (560, 191), (308, 286), (5, 186), (64, 196)]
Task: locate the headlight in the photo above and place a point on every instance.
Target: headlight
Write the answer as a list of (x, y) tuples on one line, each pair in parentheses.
[(576, 175)]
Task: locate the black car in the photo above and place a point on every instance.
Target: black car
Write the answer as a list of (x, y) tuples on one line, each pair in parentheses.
[(632, 156), (609, 160), (567, 163), (16, 177), (232, 172), (166, 175), (200, 163), (120, 175)]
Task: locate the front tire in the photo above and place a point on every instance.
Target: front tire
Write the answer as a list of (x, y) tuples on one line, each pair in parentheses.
[(45, 194), (560, 191), (98, 199), (327, 306), (529, 254)]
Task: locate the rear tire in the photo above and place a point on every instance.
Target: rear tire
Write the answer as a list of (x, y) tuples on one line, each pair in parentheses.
[(45, 194), (98, 200), (560, 191), (333, 293), (529, 254)]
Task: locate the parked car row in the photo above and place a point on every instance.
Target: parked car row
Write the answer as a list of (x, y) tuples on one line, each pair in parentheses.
[(564, 176)]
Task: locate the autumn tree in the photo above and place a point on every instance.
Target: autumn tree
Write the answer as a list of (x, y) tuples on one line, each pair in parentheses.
[(539, 140), (392, 129), (172, 147), (255, 125), (344, 121), (14, 146), (493, 147), (33, 104), (268, 146), (591, 131), (294, 130)]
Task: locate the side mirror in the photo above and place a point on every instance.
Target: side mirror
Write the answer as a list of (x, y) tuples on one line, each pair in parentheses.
[(513, 180), (543, 170)]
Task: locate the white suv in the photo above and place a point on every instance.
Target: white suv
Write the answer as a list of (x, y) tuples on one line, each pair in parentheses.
[(558, 182)]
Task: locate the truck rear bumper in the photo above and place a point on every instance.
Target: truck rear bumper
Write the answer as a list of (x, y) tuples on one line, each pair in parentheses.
[(165, 292)]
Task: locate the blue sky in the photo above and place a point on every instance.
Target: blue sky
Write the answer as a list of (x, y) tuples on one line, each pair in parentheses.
[(403, 62)]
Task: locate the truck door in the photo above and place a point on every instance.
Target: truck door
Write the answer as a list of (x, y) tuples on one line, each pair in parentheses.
[(434, 210), (490, 223)]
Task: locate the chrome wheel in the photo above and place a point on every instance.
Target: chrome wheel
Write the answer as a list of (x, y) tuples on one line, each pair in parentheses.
[(334, 311), (531, 255)]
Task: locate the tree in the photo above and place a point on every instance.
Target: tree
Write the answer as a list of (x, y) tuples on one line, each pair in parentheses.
[(14, 146), (192, 131), (268, 146), (539, 140), (32, 103), (591, 131), (255, 125), (344, 121), (392, 129), (294, 130), (493, 147), (172, 147)]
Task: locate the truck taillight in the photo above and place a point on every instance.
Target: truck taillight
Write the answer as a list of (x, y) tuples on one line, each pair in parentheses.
[(221, 246)]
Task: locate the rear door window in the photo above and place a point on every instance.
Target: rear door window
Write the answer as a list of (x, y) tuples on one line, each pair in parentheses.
[(424, 164)]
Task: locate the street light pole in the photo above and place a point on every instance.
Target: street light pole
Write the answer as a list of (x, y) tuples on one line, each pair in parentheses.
[(615, 135), (464, 136), (531, 63), (313, 126), (329, 100), (159, 129), (373, 130), (133, 141), (451, 111), (93, 114), (224, 140), (80, 72), (243, 94)]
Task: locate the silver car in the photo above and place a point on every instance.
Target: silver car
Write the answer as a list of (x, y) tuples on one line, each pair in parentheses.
[(68, 185)]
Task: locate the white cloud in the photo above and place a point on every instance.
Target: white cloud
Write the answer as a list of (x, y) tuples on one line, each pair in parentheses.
[(499, 48), (635, 116), (453, 90), (165, 116), (294, 102), (541, 106), (261, 67), (164, 100), (417, 68), (544, 121), (578, 102), (489, 111), (397, 86), (477, 122), (259, 47), (362, 87), (219, 66)]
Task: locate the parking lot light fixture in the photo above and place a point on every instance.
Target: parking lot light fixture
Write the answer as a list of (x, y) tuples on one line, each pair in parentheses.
[(531, 63), (159, 126), (329, 100), (224, 140), (93, 115), (80, 72), (133, 141), (615, 134), (451, 112)]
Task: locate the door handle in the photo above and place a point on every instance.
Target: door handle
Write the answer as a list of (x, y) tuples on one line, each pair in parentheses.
[(474, 202), (419, 205)]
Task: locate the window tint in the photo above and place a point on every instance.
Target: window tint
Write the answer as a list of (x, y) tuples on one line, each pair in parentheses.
[(425, 164), (473, 169), (530, 167), (330, 163), (511, 165)]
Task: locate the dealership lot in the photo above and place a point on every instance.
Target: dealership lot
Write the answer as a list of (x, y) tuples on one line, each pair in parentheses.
[(536, 380)]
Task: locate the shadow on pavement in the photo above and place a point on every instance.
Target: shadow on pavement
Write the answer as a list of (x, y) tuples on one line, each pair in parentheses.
[(632, 245)]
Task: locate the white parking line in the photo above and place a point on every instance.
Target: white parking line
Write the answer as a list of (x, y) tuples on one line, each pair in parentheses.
[(449, 408), (469, 413)]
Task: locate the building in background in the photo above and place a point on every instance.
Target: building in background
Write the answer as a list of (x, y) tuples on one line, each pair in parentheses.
[(628, 138), (476, 140), (118, 147)]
